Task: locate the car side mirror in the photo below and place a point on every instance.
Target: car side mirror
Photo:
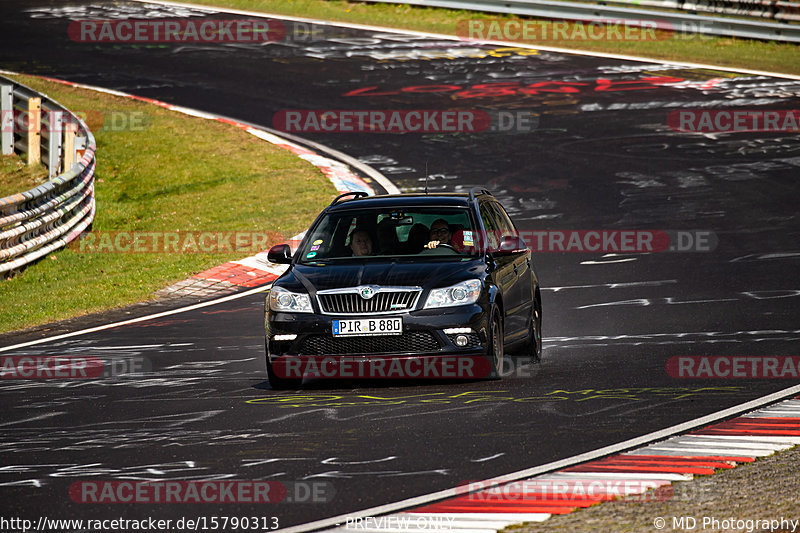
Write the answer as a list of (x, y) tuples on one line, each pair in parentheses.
[(511, 244), (280, 254)]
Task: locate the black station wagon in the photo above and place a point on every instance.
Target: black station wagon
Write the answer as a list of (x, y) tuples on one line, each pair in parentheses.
[(403, 286)]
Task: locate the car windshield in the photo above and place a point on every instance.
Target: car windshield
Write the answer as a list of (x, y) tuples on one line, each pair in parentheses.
[(399, 233)]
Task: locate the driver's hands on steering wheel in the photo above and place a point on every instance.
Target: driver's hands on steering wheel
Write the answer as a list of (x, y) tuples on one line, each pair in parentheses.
[(436, 244)]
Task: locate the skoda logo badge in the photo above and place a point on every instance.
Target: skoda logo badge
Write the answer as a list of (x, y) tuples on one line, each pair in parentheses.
[(367, 292)]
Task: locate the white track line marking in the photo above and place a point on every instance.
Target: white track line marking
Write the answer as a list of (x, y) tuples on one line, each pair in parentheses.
[(605, 488), (696, 443), (732, 452), (763, 438), (632, 476), (135, 320)]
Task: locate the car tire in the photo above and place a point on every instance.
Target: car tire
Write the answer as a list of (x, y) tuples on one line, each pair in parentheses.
[(280, 383), (495, 349), (533, 346)]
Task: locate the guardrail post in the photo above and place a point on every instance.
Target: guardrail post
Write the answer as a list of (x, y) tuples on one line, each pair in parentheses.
[(34, 130), (7, 118), (80, 147), (56, 125), (69, 144)]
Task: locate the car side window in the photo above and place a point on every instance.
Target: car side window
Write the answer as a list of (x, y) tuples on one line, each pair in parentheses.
[(490, 225), (504, 224)]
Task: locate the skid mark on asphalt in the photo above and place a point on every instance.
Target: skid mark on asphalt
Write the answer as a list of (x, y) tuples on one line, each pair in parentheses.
[(479, 397)]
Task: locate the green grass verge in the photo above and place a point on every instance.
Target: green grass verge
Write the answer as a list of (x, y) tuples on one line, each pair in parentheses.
[(16, 176), (694, 48), (177, 173)]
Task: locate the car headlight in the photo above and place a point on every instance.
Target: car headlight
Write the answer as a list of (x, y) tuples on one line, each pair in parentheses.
[(282, 300), (466, 292)]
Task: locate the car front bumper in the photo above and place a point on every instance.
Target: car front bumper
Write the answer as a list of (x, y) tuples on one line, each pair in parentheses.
[(425, 337)]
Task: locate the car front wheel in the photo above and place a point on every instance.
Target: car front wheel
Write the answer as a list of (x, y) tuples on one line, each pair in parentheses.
[(495, 350), (533, 346)]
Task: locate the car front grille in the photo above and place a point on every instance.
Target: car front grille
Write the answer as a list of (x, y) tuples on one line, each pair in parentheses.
[(412, 342), (383, 301)]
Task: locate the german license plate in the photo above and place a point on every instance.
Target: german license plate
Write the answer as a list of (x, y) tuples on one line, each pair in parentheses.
[(367, 326)]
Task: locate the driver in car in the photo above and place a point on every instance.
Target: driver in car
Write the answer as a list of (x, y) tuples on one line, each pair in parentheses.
[(439, 233)]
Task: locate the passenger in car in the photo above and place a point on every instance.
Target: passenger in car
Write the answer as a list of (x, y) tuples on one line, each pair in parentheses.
[(388, 243), (417, 238), (360, 242)]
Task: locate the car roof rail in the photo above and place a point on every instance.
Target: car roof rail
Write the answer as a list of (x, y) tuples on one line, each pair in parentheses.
[(355, 194), (473, 192)]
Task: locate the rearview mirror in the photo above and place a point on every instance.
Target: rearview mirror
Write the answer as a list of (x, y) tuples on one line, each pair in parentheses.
[(280, 254)]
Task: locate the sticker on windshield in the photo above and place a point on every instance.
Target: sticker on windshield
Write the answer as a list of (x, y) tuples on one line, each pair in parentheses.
[(311, 254), (315, 248), (318, 241)]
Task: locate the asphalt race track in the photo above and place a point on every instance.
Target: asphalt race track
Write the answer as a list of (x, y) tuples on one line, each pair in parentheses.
[(602, 156)]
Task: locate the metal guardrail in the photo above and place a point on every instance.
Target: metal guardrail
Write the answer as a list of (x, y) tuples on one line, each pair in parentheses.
[(782, 11), (36, 222), (755, 28)]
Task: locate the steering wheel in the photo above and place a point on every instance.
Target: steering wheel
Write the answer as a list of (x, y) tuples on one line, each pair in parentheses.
[(445, 245)]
